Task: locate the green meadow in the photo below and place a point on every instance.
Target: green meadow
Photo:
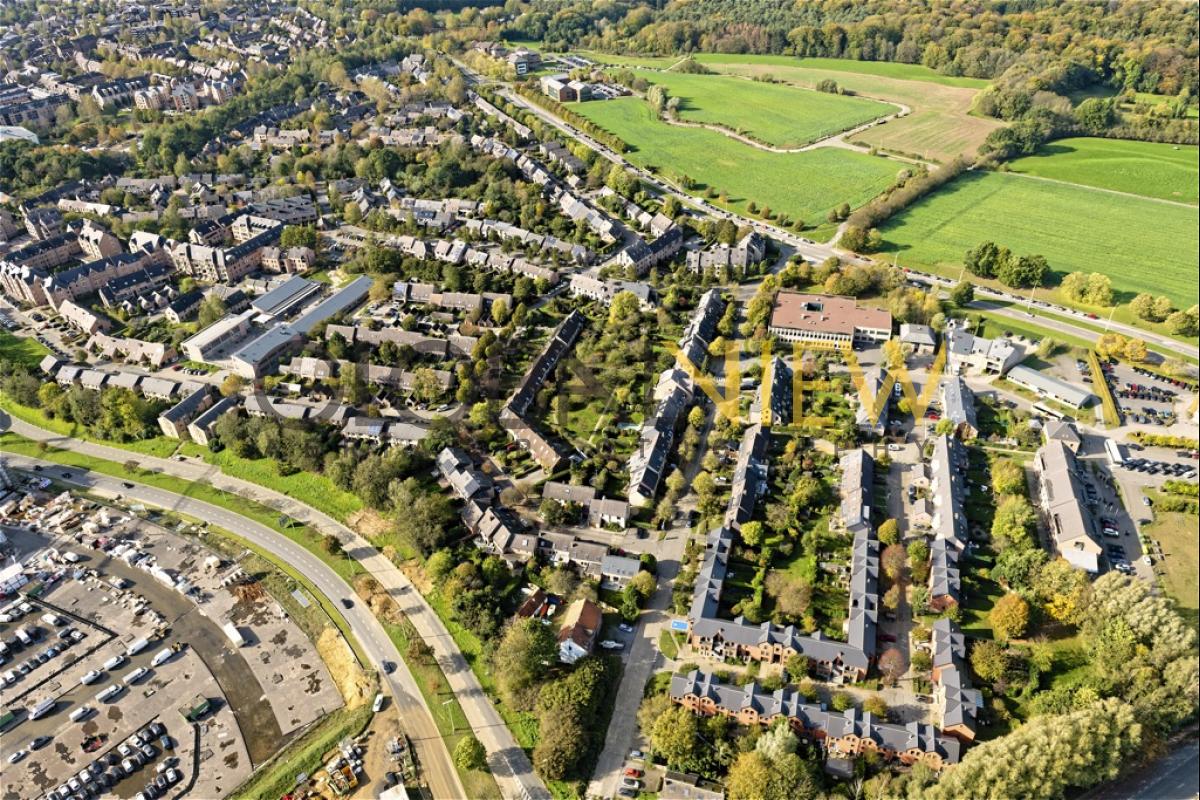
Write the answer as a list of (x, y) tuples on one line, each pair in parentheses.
[(1152, 169), (801, 185), (1143, 245)]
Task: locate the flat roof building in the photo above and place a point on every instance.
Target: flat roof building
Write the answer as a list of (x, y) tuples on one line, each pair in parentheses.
[(829, 319)]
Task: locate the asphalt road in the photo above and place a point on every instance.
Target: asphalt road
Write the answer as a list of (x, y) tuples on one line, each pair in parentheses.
[(508, 763), (1175, 776), (435, 762)]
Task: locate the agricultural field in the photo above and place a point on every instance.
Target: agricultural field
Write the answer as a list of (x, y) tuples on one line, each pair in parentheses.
[(803, 186), (1151, 169), (1076, 228), (939, 126), (776, 114)]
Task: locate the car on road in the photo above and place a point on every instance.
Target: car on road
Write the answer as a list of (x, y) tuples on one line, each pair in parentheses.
[(17, 756), (39, 742), (389, 667), (347, 602), (625, 627), (609, 644), (1146, 501), (127, 485)]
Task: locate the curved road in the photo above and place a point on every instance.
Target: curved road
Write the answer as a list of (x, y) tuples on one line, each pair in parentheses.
[(434, 759), (508, 763)]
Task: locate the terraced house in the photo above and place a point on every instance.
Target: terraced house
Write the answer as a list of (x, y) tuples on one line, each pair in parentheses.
[(841, 735)]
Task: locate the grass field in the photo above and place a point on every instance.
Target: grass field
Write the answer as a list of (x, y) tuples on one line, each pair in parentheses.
[(307, 487), (1142, 245), (1151, 169), (802, 185), (777, 114), (21, 350), (1181, 549), (159, 446), (939, 126)]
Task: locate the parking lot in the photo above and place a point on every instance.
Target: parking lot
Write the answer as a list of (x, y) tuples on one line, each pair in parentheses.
[(1142, 397), (163, 627)]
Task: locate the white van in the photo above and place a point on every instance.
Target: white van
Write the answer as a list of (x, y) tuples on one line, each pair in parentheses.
[(43, 708), (51, 618), (109, 693), (162, 657), (378, 704), (113, 662), (136, 676), (137, 646), (83, 712)]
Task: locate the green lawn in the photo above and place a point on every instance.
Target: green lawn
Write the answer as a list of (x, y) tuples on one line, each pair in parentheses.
[(1176, 533), (307, 487), (1143, 245), (1151, 169), (775, 113), (21, 350), (159, 446), (802, 185)]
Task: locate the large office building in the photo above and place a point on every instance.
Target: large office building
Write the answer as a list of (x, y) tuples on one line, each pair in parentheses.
[(827, 319)]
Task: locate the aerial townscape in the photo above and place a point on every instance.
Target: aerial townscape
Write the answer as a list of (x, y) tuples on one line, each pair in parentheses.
[(598, 399)]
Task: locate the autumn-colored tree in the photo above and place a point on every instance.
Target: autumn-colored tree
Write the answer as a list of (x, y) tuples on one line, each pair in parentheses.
[(1009, 617), (891, 664)]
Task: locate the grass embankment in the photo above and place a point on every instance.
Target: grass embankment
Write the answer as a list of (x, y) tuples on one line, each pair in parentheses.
[(1112, 417), (309, 488), (159, 446), (776, 114), (305, 754), (1177, 571), (23, 350), (1077, 229), (803, 186), (448, 715), (1150, 169)]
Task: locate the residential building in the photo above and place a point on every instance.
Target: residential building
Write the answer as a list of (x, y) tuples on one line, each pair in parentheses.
[(642, 256), (1054, 430), (1064, 506), (846, 734), (749, 477), (968, 353), (580, 627), (827, 320), (921, 339), (750, 249), (958, 406), (81, 318), (617, 571), (175, 420), (200, 429), (96, 241)]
